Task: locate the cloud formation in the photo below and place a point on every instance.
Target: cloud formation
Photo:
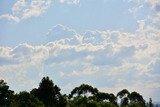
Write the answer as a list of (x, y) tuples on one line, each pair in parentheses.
[(153, 12), (24, 9), (97, 55)]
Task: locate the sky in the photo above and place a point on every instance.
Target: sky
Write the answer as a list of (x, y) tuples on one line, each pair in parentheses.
[(109, 44)]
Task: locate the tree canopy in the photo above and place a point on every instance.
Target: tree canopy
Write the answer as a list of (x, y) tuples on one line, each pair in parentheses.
[(25, 99), (48, 95), (5, 94), (47, 92)]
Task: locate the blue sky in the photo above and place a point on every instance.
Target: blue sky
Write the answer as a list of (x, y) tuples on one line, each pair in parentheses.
[(109, 44)]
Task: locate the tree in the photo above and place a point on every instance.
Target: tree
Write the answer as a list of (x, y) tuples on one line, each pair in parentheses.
[(134, 96), (150, 102), (48, 95), (137, 98), (83, 89), (6, 95), (25, 99), (125, 101), (86, 96), (63, 101), (101, 96), (123, 95), (47, 92), (83, 96)]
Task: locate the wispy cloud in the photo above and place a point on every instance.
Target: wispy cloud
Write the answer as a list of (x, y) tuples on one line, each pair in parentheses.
[(10, 17), (135, 9)]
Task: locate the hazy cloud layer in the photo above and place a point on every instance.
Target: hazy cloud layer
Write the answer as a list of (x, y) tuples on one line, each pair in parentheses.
[(124, 58)]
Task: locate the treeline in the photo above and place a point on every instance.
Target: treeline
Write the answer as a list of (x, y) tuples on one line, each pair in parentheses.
[(48, 95)]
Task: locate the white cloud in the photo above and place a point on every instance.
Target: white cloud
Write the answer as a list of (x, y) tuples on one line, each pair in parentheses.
[(4, 51), (70, 1), (63, 33), (153, 9), (24, 53), (18, 6), (24, 9), (89, 70), (135, 9), (10, 17), (94, 55), (36, 8), (150, 2)]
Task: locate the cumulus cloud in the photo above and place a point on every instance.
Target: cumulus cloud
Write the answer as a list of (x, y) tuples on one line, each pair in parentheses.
[(23, 53), (36, 8), (95, 55), (23, 9), (109, 47), (63, 33)]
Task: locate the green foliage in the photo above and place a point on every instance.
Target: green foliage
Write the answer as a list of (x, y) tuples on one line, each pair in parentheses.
[(83, 89), (132, 99), (123, 93), (47, 92), (125, 102), (6, 95), (137, 104), (25, 99), (106, 104), (48, 95), (83, 101), (137, 98)]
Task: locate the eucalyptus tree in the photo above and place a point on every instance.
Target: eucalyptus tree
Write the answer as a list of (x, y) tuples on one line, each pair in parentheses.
[(124, 97)]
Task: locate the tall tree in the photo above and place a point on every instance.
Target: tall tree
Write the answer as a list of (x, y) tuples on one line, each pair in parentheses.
[(5, 94), (47, 92)]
